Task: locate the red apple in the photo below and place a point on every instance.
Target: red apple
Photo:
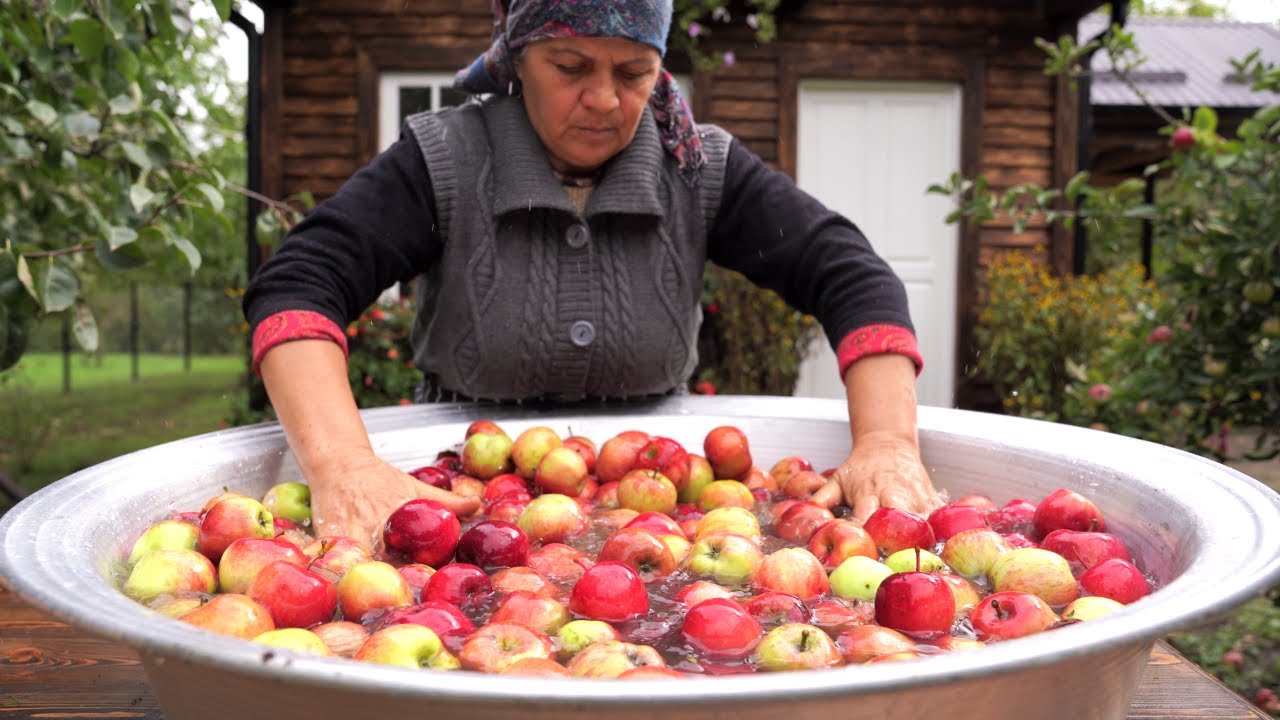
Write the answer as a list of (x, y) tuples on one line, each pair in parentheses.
[(1085, 549), (1183, 138), (863, 643), (231, 519), (794, 571), (372, 586), (803, 484), (835, 541), (1116, 579), (483, 426), (640, 549), (497, 646), (541, 613), (1014, 517), (612, 658), (460, 584), (244, 558), (552, 518), (647, 491), (701, 590), (800, 521), (433, 476), (788, 466), (720, 629), (727, 450), (333, 555), (422, 530), (983, 502), (609, 591), (562, 470), (1008, 615), (667, 457), (773, 608), (917, 604), (1066, 509), (700, 476), (493, 544), (761, 484), (951, 519), (530, 447), (294, 596), (231, 614), (835, 614), (514, 579), (894, 529), (1018, 540), (443, 618), (656, 523), (585, 448), (506, 485), (417, 575), (560, 563), (617, 455)]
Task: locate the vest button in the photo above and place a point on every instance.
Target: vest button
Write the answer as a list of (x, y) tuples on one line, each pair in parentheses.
[(577, 236), (582, 333)]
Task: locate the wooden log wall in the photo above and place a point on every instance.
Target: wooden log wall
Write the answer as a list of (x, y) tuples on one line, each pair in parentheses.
[(1019, 126)]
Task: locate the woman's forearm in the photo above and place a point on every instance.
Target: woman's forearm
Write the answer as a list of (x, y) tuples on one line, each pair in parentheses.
[(307, 382), (881, 390)]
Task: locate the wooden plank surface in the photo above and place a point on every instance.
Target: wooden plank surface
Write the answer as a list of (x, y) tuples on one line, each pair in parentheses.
[(50, 670)]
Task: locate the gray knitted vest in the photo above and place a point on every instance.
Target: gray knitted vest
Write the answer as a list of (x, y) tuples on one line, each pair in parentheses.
[(532, 300)]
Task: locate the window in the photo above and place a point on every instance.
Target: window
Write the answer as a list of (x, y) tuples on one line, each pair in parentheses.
[(403, 94)]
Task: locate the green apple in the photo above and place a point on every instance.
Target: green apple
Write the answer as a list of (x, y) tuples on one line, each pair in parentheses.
[(906, 560), (972, 552), (574, 636), (170, 572), (858, 578), (797, 646), (1041, 572), (530, 446), (165, 535), (407, 645), (296, 639), (1091, 607), (730, 559), (291, 501)]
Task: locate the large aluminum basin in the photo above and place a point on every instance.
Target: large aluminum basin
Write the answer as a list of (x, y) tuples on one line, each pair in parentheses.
[(1210, 535)]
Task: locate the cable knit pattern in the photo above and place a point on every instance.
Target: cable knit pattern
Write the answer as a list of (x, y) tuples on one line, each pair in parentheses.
[(618, 321), (292, 325), (876, 340)]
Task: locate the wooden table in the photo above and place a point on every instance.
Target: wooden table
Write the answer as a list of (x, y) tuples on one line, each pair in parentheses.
[(51, 670)]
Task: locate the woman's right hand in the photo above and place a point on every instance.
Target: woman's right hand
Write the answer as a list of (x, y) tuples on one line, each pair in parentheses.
[(355, 499)]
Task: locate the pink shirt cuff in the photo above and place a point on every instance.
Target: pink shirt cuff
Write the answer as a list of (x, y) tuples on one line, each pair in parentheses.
[(289, 325), (877, 340)]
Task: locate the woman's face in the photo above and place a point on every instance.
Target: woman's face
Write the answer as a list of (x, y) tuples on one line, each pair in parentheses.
[(585, 96)]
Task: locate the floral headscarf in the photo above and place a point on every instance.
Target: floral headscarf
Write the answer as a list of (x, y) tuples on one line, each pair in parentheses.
[(518, 23)]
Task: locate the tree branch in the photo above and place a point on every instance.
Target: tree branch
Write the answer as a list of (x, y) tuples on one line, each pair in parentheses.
[(72, 250)]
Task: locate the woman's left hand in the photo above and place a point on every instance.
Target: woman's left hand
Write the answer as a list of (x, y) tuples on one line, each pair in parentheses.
[(882, 471)]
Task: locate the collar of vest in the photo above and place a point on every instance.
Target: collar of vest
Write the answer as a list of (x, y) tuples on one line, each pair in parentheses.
[(523, 179)]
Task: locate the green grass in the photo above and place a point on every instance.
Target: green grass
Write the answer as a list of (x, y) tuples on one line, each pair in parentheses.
[(46, 434)]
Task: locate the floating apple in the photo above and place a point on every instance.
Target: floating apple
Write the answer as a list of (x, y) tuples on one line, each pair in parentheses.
[(797, 646), (917, 604), (424, 531)]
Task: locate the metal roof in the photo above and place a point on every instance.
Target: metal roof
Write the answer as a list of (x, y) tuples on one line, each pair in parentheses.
[(1188, 62)]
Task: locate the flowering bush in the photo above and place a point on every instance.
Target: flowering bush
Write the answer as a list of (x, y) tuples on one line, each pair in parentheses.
[(380, 363), (694, 21), (752, 343)]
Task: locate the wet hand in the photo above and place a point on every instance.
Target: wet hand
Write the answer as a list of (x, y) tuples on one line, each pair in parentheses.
[(881, 471), (354, 500)]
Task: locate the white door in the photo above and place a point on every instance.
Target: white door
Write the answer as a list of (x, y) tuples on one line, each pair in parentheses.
[(868, 150)]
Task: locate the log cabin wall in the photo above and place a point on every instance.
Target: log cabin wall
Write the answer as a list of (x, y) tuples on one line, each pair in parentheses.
[(323, 59)]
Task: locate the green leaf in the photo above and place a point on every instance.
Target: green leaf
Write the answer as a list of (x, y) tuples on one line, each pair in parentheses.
[(88, 37), (214, 196), (127, 63), (128, 257), (1075, 186), (122, 105), (224, 9), (136, 155), (188, 250), (1205, 120), (65, 8), (82, 124), (119, 236), (58, 287), (43, 113), (139, 196), (24, 277), (85, 328)]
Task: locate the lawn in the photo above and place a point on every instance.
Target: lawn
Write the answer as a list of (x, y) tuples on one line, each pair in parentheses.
[(46, 434)]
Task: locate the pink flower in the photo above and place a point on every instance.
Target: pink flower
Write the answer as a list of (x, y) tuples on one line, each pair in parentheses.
[(1159, 335), (392, 354), (1234, 658), (695, 29), (730, 58), (1100, 392)]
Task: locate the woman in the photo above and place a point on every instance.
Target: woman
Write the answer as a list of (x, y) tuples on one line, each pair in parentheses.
[(560, 227)]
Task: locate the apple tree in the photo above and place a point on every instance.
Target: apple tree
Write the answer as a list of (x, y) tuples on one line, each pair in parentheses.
[(1209, 362), (103, 168)]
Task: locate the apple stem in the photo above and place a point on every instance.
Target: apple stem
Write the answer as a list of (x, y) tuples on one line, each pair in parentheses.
[(917, 559)]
